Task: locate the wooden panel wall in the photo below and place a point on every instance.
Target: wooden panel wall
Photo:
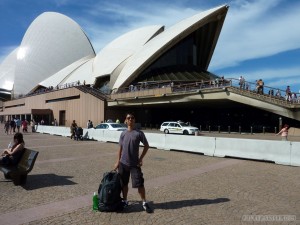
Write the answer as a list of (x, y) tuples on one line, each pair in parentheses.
[(87, 107)]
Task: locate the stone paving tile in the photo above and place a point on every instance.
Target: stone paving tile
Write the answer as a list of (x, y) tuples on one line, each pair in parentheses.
[(66, 170)]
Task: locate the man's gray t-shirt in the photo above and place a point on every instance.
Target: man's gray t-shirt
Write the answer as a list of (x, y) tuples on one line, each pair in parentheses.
[(130, 141)]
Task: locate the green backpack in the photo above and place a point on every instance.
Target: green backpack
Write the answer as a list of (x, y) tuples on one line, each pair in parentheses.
[(109, 192)]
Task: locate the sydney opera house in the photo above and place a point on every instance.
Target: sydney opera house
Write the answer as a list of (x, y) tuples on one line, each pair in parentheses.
[(159, 73)]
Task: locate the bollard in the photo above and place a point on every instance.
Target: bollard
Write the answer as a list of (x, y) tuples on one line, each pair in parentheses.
[(208, 129), (264, 130), (196, 133), (228, 129), (251, 130), (240, 129), (275, 130), (219, 129)]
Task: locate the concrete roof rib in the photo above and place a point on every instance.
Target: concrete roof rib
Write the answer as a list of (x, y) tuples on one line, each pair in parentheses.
[(161, 43)]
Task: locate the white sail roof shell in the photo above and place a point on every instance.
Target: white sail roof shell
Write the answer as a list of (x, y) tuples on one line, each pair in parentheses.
[(7, 71), (89, 68), (55, 51), (121, 48), (161, 42), (63, 76), (52, 42), (82, 73)]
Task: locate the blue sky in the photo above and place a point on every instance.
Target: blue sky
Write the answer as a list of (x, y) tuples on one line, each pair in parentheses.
[(259, 39)]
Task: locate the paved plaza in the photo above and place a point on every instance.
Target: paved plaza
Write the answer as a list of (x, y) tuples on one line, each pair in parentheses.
[(183, 188)]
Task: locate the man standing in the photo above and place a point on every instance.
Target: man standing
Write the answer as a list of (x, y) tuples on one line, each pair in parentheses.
[(73, 129), (129, 161), (242, 82), (55, 123), (12, 126), (18, 124)]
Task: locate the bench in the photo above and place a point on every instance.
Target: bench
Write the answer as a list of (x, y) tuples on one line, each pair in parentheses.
[(18, 173)]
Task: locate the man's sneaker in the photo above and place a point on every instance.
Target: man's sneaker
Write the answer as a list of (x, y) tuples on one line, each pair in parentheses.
[(125, 203), (147, 208)]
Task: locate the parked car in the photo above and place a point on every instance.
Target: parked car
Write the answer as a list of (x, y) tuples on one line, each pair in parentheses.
[(110, 126), (178, 128)]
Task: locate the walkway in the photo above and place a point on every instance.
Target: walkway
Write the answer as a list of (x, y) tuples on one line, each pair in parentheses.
[(183, 188)]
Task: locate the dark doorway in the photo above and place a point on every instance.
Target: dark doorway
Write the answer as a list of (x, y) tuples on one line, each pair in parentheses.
[(62, 117)]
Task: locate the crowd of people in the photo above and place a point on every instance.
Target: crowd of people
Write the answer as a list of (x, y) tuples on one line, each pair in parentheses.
[(53, 88), (286, 94), (259, 87), (15, 125)]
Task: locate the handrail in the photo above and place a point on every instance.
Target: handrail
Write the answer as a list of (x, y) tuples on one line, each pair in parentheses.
[(49, 89), (95, 92), (248, 89)]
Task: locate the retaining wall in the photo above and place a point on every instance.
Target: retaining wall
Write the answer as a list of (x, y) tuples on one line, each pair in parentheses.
[(280, 152)]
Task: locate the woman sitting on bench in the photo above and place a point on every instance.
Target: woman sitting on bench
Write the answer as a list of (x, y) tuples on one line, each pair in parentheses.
[(12, 155)]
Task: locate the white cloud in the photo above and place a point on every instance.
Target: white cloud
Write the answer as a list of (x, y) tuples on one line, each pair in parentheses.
[(273, 77), (59, 3), (269, 73), (254, 30), (127, 18)]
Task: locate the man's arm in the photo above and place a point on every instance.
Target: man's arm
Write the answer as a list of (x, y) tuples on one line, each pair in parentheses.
[(118, 158), (144, 152)]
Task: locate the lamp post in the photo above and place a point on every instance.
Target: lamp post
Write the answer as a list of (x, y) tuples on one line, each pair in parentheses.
[(280, 123)]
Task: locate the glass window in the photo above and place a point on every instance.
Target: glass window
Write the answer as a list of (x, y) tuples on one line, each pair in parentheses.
[(115, 125), (102, 126)]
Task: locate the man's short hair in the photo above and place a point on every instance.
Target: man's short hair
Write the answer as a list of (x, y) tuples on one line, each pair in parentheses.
[(129, 113)]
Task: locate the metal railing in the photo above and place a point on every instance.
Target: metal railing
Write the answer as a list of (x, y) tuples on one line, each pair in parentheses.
[(248, 89)]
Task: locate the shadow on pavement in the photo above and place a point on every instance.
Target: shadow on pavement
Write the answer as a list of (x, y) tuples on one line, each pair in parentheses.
[(37, 181), (137, 206)]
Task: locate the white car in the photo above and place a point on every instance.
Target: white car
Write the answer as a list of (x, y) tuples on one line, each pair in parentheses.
[(178, 128), (111, 126)]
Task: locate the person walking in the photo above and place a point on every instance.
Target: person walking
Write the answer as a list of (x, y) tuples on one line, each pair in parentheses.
[(129, 162), (32, 124), (24, 125), (73, 129), (18, 124), (284, 132), (6, 126), (12, 125)]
